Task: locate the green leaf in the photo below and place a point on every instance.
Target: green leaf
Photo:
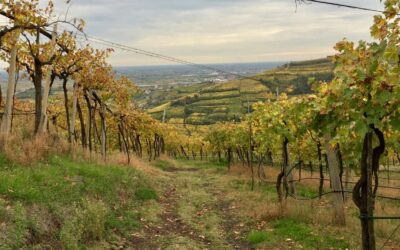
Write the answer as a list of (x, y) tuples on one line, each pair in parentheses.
[(361, 128), (395, 123)]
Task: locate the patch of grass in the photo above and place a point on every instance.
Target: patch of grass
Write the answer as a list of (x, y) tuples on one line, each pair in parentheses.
[(215, 164), (306, 192), (124, 222), (4, 162), (237, 184), (287, 230), (269, 188), (145, 194), (161, 164), (74, 204), (256, 237)]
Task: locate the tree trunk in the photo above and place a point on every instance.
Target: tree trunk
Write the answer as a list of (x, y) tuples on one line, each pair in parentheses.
[(363, 192), (270, 160), (37, 82), (73, 116), (163, 145), (334, 174), (139, 146), (341, 167), (321, 170), (251, 149), (150, 151), (103, 131), (288, 178), (362, 195), (279, 185), (184, 152), (8, 109), (347, 179), (229, 158), (261, 172), (42, 128), (286, 174), (66, 106), (82, 122), (125, 140), (300, 169), (89, 121)]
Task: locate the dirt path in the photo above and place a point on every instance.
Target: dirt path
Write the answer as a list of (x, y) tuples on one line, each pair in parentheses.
[(195, 215)]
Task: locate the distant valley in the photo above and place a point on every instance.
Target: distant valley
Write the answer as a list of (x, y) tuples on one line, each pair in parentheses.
[(211, 102), (194, 96)]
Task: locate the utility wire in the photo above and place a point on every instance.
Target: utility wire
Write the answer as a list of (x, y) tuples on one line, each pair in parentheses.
[(341, 5), (164, 57)]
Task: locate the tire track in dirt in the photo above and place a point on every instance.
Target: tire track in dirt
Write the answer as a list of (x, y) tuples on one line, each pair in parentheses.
[(170, 224), (233, 227)]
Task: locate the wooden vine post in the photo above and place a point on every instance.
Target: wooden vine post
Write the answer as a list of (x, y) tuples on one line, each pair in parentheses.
[(7, 117), (334, 174)]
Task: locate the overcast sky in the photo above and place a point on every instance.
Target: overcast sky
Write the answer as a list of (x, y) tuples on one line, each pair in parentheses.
[(216, 31)]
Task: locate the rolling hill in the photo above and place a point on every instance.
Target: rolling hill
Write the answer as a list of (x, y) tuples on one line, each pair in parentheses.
[(208, 103)]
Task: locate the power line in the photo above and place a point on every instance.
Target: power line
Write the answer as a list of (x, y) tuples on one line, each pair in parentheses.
[(341, 5), (164, 57)]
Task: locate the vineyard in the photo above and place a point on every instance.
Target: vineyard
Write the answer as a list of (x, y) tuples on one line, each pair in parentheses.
[(305, 156), (209, 103)]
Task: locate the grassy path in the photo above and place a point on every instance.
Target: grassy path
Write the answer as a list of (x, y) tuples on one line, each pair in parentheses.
[(204, 207), (195, 214)]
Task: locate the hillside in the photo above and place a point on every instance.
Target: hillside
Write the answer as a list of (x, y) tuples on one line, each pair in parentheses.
[(208, 103), (65, 203)]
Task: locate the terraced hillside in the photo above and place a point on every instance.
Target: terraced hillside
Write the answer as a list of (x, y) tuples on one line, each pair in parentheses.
[(208, 103)]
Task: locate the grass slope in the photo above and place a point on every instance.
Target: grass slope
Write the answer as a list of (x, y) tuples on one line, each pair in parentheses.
[(68, 204), (208, 103)]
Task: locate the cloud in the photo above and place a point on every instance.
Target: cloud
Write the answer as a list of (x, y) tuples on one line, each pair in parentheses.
[(212, 31)]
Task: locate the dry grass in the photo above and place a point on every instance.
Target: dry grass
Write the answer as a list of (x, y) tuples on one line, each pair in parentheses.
[(262, 206), (117, 158), (28, 150), (136, 162)]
